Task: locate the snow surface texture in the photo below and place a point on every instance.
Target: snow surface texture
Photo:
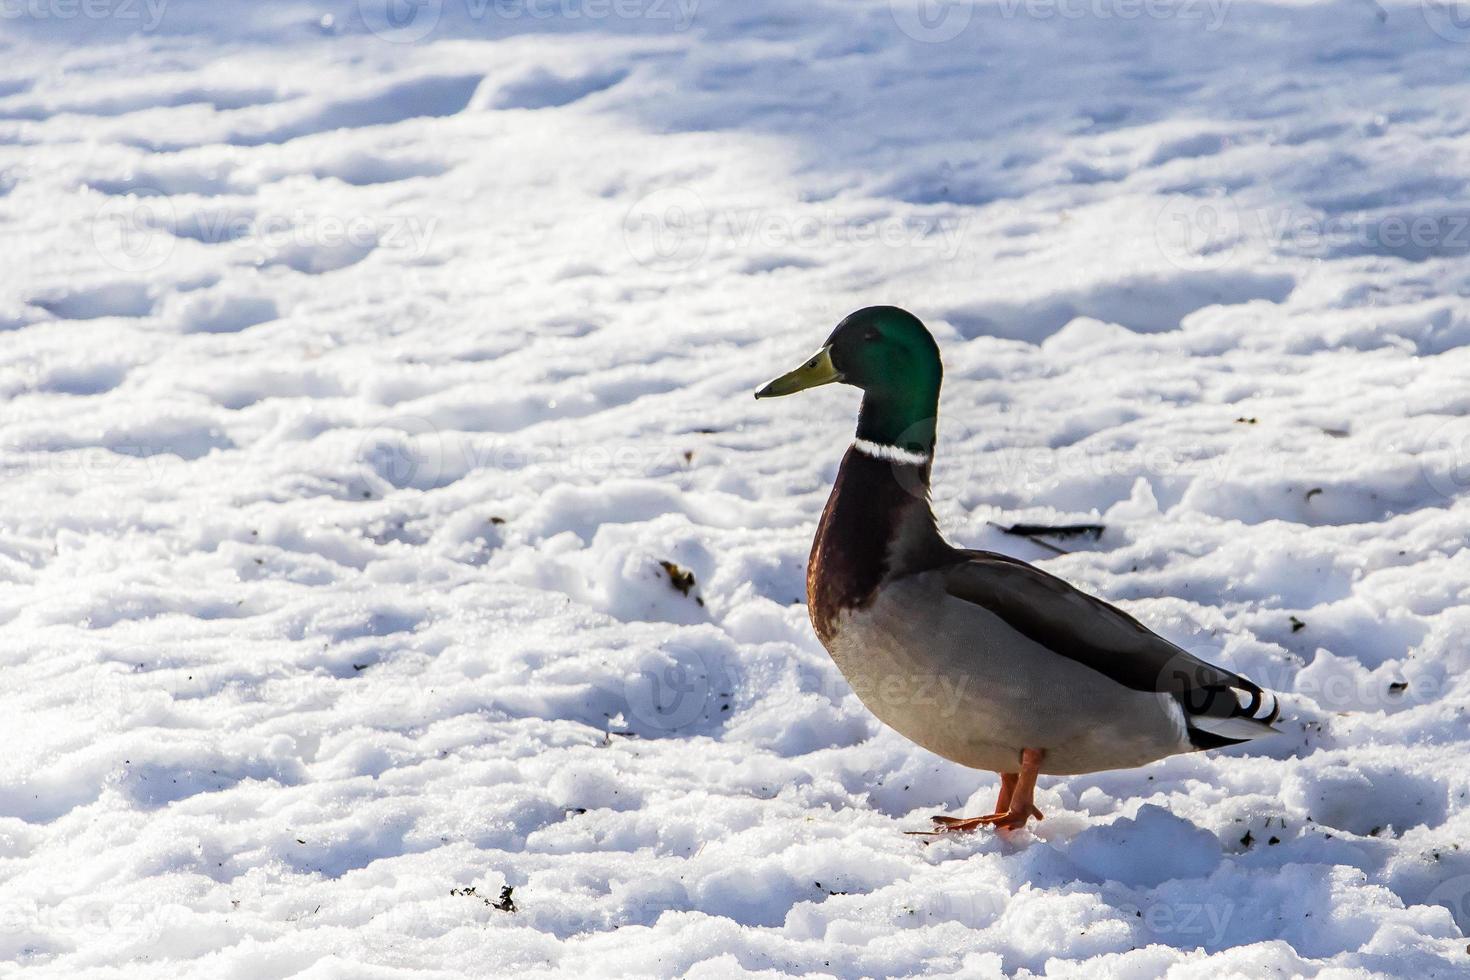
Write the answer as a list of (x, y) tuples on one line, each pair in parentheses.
[(362, 367)]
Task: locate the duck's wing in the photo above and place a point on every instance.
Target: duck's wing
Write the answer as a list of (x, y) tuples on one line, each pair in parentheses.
[(1220, 707)]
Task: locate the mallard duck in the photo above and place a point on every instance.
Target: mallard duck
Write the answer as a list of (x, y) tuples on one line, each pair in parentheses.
[(979, 657)]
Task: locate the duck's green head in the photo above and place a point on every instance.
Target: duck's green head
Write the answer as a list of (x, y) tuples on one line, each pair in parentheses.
[(889, 354)]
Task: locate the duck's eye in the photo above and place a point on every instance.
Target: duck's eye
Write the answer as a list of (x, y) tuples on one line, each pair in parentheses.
[(871, 335)]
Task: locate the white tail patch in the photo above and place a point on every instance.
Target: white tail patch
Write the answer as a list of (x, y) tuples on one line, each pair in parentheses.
[(891, 454), (1235, 729)]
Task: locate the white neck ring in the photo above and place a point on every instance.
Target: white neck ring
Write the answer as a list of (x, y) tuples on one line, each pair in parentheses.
[(890, 454)]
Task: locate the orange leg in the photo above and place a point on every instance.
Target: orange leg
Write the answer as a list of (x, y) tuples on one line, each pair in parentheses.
[(1007, 787), (1013, 807)]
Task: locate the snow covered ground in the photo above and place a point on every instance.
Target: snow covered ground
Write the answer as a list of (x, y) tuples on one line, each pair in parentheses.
[(362, 366)]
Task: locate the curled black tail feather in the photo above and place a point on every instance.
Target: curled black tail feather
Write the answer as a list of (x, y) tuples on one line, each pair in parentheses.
[(1215, 715)]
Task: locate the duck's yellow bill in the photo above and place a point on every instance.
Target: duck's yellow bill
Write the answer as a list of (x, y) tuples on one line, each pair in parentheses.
[(818, 370)]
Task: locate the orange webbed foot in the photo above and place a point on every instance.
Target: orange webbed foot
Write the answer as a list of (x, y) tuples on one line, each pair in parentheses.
[(1013, 807)]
